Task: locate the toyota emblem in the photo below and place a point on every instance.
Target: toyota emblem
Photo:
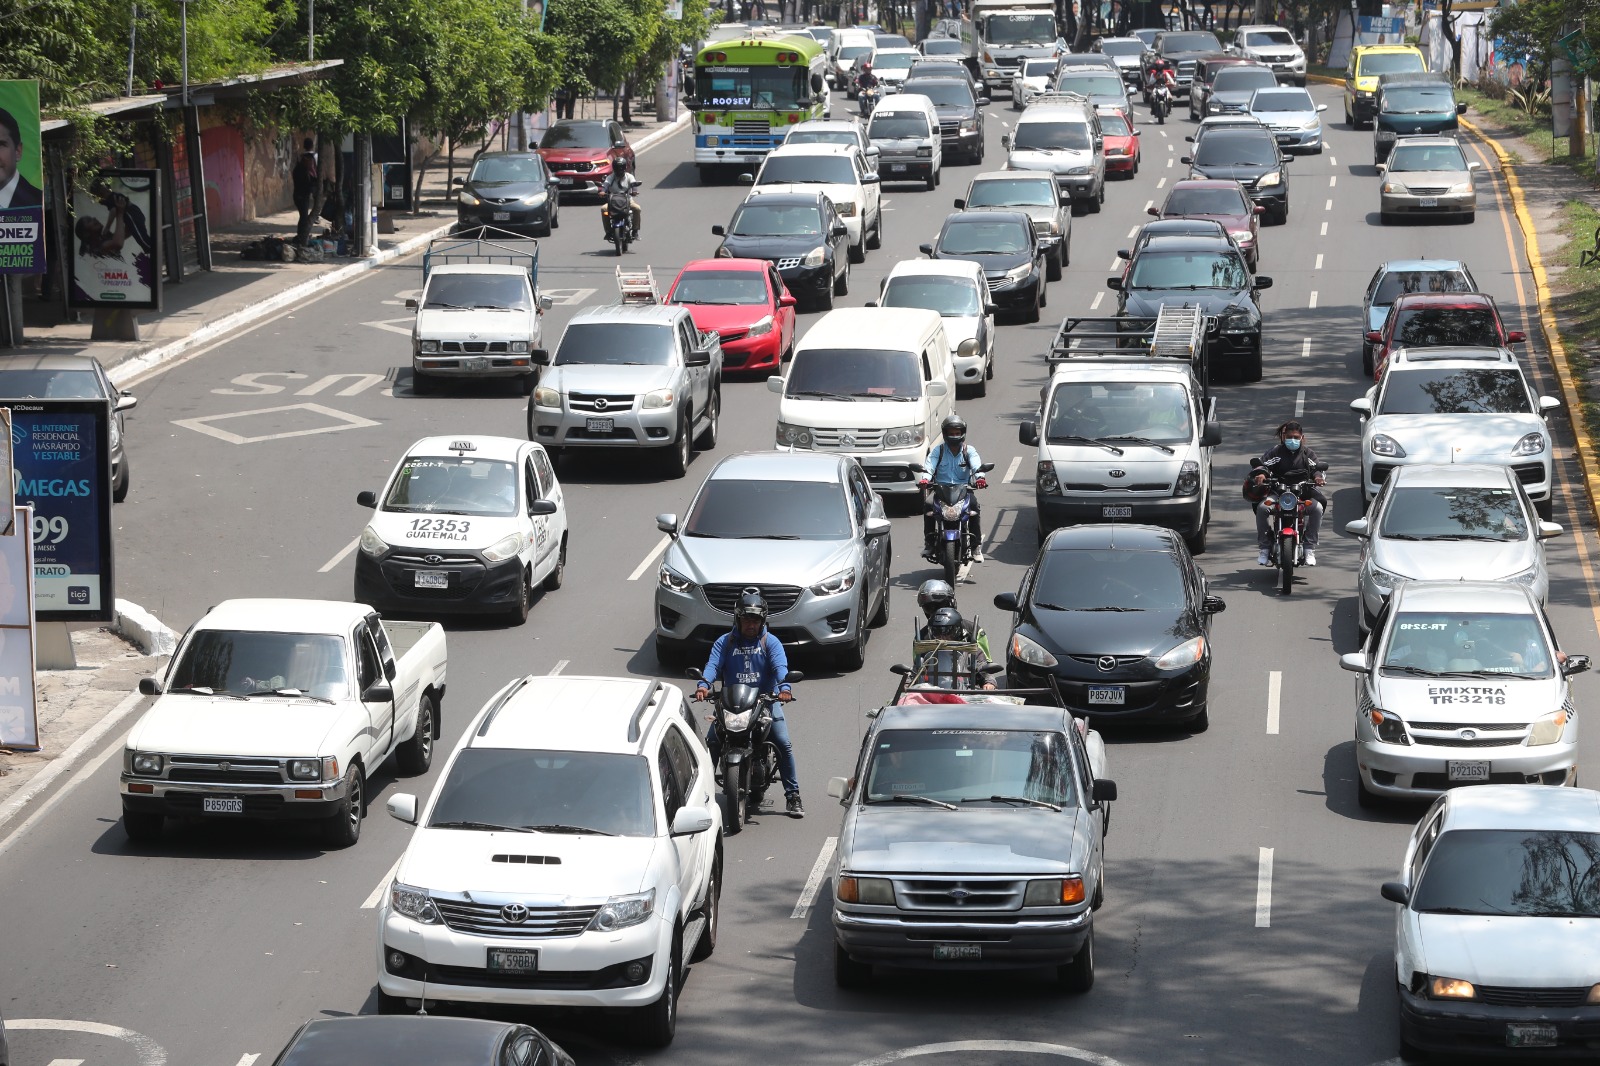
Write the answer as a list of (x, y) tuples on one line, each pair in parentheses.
[(1118, 473), (1469, 734), (1106, 663), (224, 766), (514, 913), (601, 403), (433, 560)]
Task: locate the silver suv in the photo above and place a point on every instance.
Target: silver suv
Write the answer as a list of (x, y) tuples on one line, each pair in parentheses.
[(1036, 196)]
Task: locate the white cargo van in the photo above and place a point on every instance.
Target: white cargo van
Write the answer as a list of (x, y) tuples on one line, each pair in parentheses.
[(905, 132)]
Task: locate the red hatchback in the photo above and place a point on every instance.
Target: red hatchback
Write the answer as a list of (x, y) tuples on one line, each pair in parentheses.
[(1224, 201), (1122, 142), (744, 302), (1440, 320), (581, 152)]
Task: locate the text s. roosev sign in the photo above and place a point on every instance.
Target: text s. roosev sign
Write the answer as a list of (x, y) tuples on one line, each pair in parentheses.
[(21, 181)]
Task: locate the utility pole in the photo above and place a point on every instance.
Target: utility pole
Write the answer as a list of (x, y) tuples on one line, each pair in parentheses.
[(311, 30), (133, 45), (522, 114), (183, 6)]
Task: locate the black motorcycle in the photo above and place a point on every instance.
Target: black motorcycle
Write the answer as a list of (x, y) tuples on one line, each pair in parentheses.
[(747, 760), (955, 536), (1288, 502), (618, 215)]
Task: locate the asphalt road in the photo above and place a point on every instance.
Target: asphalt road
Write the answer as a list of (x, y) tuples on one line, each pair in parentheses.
[(1242, 921)]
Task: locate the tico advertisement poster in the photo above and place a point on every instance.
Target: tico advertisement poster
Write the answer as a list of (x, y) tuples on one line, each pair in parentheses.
[(19, 721), (116, 260), (61, 465), (21, 180)]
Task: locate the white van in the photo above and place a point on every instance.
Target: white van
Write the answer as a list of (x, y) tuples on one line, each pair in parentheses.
[(847, 48), (959, 291), (873, 382), (905, 131)]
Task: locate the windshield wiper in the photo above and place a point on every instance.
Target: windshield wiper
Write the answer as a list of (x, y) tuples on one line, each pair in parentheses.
[(495, 307), (1014, 799), (1146, 441), (1457, 536), (823, 395), (1566, 914), (900, 797), (1040, 605), (762, 536), (1457, 910), (447, 307), (1120, 610), (1417, 671), (557, 827), (490, 826), (1073, 438), (206, 690), (292, 693)]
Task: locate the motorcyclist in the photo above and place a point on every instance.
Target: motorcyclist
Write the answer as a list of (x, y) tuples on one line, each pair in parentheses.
[(1160, 70), (936, 593), (865, 79), (948, 625), (616, 187), (952, 462), (750, 655), (1289, 454)]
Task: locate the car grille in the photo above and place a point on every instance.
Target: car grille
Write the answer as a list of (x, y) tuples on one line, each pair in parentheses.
[(488, 919), (724, 598), (1529, 473), (592, 401), (1186, 70), (732, 334), (1418, 190), (1121, 660), (1141, 486), (1228, 109), (852, 439), (951, 894), (472, 346), (789, 264), (1008, 61), (1446, 727), (1499, 996), (948, 130), (751, 126), (239, 771), (576, 168), (1436, 782), (1509, 741), (433, 560)]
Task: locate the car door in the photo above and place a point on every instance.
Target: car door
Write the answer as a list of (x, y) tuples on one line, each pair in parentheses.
[(538, 526), (549, 488), (782, 313), (699, 376), (381, 714), (678, 787), (867, 505), (870, 195)]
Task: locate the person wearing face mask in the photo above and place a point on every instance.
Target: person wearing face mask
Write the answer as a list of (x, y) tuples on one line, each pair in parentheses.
[(1290, 453)]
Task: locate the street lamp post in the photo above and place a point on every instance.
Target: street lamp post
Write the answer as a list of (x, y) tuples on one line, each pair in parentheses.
[(183, 7)]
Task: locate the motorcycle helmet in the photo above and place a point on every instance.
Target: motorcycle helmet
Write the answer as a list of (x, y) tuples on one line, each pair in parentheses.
[(945, 624), (954, 430), (751, 605), (934, 594)]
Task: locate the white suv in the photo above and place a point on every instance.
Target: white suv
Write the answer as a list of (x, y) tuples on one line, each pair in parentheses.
[(570, 856), (840, 172)]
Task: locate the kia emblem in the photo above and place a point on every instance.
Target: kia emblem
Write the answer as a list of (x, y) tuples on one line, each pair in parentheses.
[(1118, 473)]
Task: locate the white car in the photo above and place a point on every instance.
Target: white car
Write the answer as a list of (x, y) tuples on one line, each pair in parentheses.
[(1031, 79), (1293, 117), (891, 65), (1462, 683), (1456, 405), (464, 525), (570, 856), (838, 171), (958, 290), (840, 131), (1497, 929)]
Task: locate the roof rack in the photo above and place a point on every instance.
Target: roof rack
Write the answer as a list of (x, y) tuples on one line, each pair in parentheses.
[(1176, 333), (637, 286), (500, 701), (1057, 96), (651, 697)]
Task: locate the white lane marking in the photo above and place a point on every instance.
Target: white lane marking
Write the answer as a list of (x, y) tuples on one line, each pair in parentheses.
[(1328, 206), (1275, 678), (247, 1060), (1313, 303), (1134, 232), (1319, 262), (1148, 204), (150, 1053), (1324, 229), (1169, 147), (1116, 265), (1023, 1047), (1300, 403), (60, 765), (66, 1062), (1305, 348), (1162, 184), (1097, 298), (344, 553), (1164, 133), (1264, 890), (1011, 471), (661, 546), (808, 894), (1169, 161), (1333, 161), (1333, 179), (383, 886), (561, 664)]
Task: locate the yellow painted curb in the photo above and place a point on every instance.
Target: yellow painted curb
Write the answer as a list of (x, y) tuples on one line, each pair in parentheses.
[(1324, 79), (1570, 393)]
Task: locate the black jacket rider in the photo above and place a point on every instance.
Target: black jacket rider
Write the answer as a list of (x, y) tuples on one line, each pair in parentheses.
[(1277, 461)]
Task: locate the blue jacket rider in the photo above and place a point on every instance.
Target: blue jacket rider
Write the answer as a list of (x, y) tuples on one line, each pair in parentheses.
[(953, 462)]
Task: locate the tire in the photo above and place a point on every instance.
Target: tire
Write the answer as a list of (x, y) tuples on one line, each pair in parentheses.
[(1197, 542), (1052, 266), (706, 176), (1044, 295), (657, 1024), (553, 580), (421, 384), (1366, 359), (708, 436), (847, 972), (544, 231), (876, 240), (880, 618), (950, 559), (1385, 219), (712, 910), (142, 827), (1078, 975), (1032, 314), (858, 253), (853, 656), (824, 299), (1410, 1052), (1285, 571), (525, 384), (841, 284), (1099, 199), (119, 487), (388, 1004), (731, 822), (518, 614), (677, 459), (555, 215), (981, 389), (933, 179), (1200, 722), (670, 653), (415, 755), (1546, 509), (1466, 219), (343, 829), (1252, 365)]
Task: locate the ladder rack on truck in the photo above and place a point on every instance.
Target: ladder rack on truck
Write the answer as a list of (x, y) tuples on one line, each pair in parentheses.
[(487, 245), (637, 286), (1177, 333)]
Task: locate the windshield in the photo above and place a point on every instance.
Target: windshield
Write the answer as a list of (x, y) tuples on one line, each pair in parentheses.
[(946, 94), (1173, 43), (499, 169), (751, 87), (1436, 641), (615, 344), (1114, 124), (1236, 79), (756, 219), (1239, 148), (1044, 136), (891, 40), (1019, 29), (1455, 514), (1370, 66), (1111, 409), (1398, 282), (1425, 391), (927, 69), (864, 373), (1436, 327), (577, 135), (893, 61), (983, 238), (1038, 68), (37, 384), (1116, 579), (1183, 270), (462, 292), (951, 297), (720, 287), (807, 170), (941, 48), (1525, 872), (971, 766), (758, 510), (1202, 201), (1290, 100), (245, 662), (1090, 84), (1122, 48), (1409, 158), (895, 125), (449, 484), (1013, 192), (823, 137), (1421, 100), (1269, 39), (855, 51), (520, 789)]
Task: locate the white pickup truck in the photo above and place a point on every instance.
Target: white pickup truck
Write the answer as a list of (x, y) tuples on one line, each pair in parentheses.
[(281, 709)]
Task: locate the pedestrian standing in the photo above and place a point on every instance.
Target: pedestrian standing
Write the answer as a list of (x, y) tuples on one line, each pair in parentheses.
[(305, 189), (566, 98)]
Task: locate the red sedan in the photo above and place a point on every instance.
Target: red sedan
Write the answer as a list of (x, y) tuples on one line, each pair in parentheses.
[(744, 302), (581, 152), (1225, 201), (1122, 143), (1440, 320)]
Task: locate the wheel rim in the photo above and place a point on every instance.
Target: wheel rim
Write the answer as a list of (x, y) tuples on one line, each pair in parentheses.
[(425, 731), (354, 814), (685, 445)]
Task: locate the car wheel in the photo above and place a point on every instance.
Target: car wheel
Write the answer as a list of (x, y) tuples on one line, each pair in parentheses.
[(708, 436), (1546, 509), (657, 1024), (1078, 975), (343, 829), (1052, 266), (881, 617), (119, 487), (847, 972), (933, 178), (711, 910), (142, 827), (670, 653), (853, 656), (841, 284), (678, 455), (1032, 314), (555, 213), (1366, 359), (1466, 219), (979, 390), (1385, 219), (388, 1004), (876, 240), (1099, 199), (525, 384), (416, 755), (518, 614), (553, 580), (1252, 365), (1196, 542), (858, 252)]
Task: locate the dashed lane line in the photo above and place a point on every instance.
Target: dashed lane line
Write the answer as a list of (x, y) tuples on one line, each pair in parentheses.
[(1313, 304), (649, 560), (808, 894), (1011, 471), (1097, 298), (1324, 229), (1275, 678), (1333, 179), (344, 553), (1305, 348), (1264, 889), (1162, 184), (1319, 262), (1328, 206)]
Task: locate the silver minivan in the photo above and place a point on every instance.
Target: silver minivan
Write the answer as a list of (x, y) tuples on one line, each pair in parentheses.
[(905, 132)]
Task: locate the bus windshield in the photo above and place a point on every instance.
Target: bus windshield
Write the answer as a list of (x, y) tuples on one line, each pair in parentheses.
[(1029, 28), (763, 88)]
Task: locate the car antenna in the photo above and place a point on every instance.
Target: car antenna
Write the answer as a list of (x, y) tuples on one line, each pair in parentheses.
[(422, 1003)]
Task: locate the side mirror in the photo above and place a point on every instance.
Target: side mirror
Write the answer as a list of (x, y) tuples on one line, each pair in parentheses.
[(937, 388), (839, 230), (1461, 108), (540, 357), (719, 231), (1127, 253), (1255, 461), (1548, 403), (747, 178), (1516, 336), (1114, 284), (1356, 662), (697, 357), (150, 686), (793, 677), (1359, 528), (1258, 210), (1575, 664), (1028, 433), (1190, 138), (691, 820), (926, 249), (816, 83), (1187, 160), (839, 788), (546, 303), (872, 303), (787, 300), (1213, 605), (1547, 530), (994, 668), (668, 524), (1103, 791), (458, 181), (366, 498), (871, 179), (1006, 601), (1154, 212), (403, 805), (1396, 892), (693, 672), (1374, 336), (1321, 108), (538, 507), (411, 304), (961, 204), (775, 384), (877, 527), (1363, 404), (378, 692), (1262, 282), (1211, 436), (1383, 168), (985, 468), (1005, 141)]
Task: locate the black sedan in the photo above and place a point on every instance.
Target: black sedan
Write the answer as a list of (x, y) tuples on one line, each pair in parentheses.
[(1005, 245), (510, 191), (799, 233), (419, 1040), (1119, 616), (1250, 156), (1207, 272)]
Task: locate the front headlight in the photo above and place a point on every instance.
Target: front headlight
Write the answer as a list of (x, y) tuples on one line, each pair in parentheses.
[(1270, 180), (816, 257), (903, 437), (1312, 123), (1450, 988), (843, 581), (144, 763), (1526, 578), (469, 200), (846, 210), (1383, 444), (413, 903), (324, 769), (1031, 652), (1237, 322), (504, 548), (533, 201), (790, 436), (1530, 444), (428, 347), (1391, 730), (1188, 482), (620, 912), (1384, 579), (873, 891), (1462, 189), (671, 579), (1186, 654), (1116, 150), (1054, 892), (545, 396), (762, 327), (519, 347), (654, 401), (1393, 188), (1242, 236), (1045, 477), (967, 348), (1548, 729), (371, 543), (1078, 172), (1019, 273)]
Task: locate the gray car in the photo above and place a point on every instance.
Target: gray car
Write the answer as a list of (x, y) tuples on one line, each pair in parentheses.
[(77, 377), (1035, 195), (994, 861), (804, 528), (1292, 116), (1427, 176), (1400, 276), (1448, 522)]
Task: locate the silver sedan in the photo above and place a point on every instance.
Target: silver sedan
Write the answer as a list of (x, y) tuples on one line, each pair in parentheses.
[(1427, 176), (1292, 116)]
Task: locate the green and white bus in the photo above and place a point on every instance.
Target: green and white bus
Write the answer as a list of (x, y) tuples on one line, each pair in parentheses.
[(748, 92)]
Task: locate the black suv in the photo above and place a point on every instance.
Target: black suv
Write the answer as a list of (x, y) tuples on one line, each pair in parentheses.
[(1180, 48), (1251, 157), (960, 117)]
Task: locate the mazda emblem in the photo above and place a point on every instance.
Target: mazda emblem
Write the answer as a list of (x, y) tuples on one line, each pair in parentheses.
[(433, 560), (601, 403), (514, 913), (1118, 473), (1106, 663)]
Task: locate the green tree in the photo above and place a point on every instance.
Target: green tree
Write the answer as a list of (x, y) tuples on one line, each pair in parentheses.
[(601, 39)]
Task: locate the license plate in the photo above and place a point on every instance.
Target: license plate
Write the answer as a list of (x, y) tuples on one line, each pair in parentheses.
[(1428, 201), (431, 579), (1530, 1034), (513, 960), (1113, 695), (221, 805), (599, 425), (1284, 138), (1467, 771), (502, 216), (897, 168), (564, 181), (955, 952), (1121, 511)]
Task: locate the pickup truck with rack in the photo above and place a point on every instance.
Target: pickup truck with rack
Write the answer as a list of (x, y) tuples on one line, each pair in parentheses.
[(282, 709)]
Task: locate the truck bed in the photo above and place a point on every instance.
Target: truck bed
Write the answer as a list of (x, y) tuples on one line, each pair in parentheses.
[(404, 636)]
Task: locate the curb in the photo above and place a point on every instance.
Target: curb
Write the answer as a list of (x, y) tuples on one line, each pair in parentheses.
[(60, 765), (143, 629)]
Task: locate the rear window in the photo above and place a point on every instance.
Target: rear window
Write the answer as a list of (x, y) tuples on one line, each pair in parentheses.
[(1234, 79), (1397, 283), (1205, 202), (988, 767), (1189, 42), (1389, 63), (943, 94)]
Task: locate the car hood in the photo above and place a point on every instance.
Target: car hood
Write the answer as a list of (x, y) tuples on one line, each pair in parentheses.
[(1511, 951), (1480, 438), (770, 247), (724, 317), (1175, 57), (181, 723), (1406, 122), (991, 264), (574, 155), (867, 415), (959, 328), (1425, 698), (1284, 120), (1232, 223), (1147, 302), (1035, 212), (442, 324), (900, 839), (1243, 172), (707, 561), (598, 377), (1110, 632), (897, 145), (1275, 55), (505, 192), (462, 860), (1126, 62), (893, 77), (1454, 560), (1057, 162), (1430, 179), (839, 194)]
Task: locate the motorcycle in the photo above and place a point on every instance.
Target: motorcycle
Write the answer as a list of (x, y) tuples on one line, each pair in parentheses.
[(869, 99), (1288, 501), (617, 214), (958, 666), (955, 539), (1161, 102), (747, 761)]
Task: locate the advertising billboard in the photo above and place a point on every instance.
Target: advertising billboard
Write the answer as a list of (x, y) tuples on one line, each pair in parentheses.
[(19, 720), (21, 180), (116, 259), (61, 465)]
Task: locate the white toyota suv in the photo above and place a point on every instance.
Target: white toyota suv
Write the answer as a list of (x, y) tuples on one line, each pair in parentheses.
[(570, 856), (845, 178)]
